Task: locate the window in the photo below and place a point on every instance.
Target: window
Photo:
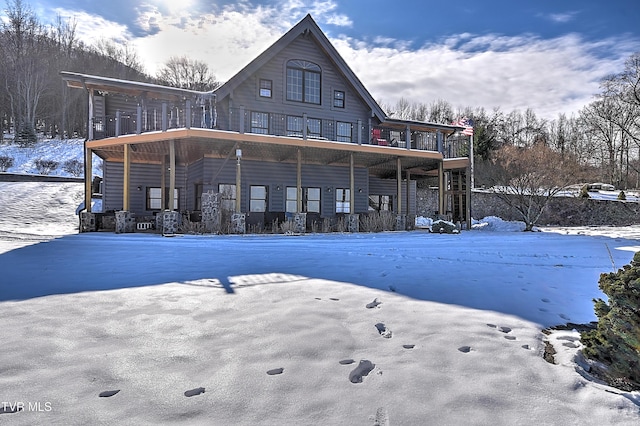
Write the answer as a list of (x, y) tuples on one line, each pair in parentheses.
[(228, 192), (380, 203), (260, 122), (294, 126), (292, 199), (343, 131), (303, 82), (311, 202), (265, 88), (338, 98), (258, 198), (343, 198), (154, 198)]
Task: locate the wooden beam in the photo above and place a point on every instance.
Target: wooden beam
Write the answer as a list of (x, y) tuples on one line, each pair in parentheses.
[(352, 185), (88, 179), (172, 173), (299, 182), (399, 182), (126, 179)]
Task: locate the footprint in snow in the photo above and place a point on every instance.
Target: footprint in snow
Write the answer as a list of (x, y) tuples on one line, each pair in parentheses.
[(465, 349), (510, 337), (492, 325), (383, 330), (408, 346), (505, 329), (346, 361), (194, 392), (527, 347), (363, 369), (373, 304), (275, 371), (109, 393), (545, 300)]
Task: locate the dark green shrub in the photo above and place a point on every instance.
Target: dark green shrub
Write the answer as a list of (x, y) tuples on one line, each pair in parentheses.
[(615, 342), (584, 192), (5, 163), (26, 135), (444, 227)]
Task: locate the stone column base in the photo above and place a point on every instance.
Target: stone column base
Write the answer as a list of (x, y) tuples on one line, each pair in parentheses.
[(353, 223), (401, 222), (300, 223), (238, 223), (211, 213), (125, 222), (88, 222), (411, 222), (170, 222)]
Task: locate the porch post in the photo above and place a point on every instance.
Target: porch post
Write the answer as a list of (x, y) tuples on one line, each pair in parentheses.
[(88, 178), (164, 117), (399, 182), (359, 124), (468, 196), (118, 127), (352, 185), (305, 132), (408, 191), (238, 184), (187, 120), (241, 118), (126, 178), (172, 173), (407, 138), (441, 188), (139, 120), (299, 183), (91, 113)]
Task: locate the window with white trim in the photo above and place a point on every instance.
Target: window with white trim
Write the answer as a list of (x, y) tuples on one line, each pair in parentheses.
[(154, 198), (292, 199), (258, 198), (311, 201), (266, 87), (343, 132), (343, 200)]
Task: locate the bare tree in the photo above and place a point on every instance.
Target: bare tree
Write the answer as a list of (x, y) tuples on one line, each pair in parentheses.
[(187, 74), (527, 178)]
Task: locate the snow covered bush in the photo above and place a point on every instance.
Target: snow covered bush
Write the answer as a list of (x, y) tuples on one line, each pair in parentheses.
[(73, 167), (5, 163), (615, 344), (378, 221), (45, 167)]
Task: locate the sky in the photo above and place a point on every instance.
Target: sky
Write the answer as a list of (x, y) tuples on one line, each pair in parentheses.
[(545, 55)]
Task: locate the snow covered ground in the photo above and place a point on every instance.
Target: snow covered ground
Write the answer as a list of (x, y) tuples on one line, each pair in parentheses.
[(283, 330)]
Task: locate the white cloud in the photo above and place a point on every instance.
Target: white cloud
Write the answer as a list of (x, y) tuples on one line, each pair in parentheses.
[(548, 75), (562, 18), (92, 28)]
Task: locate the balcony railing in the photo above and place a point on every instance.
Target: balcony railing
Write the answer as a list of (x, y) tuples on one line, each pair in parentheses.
[(305, 127)]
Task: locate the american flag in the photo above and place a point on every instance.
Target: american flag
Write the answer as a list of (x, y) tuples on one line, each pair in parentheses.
[(467, 123)]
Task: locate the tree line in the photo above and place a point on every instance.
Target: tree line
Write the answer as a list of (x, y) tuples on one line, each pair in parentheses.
[(33, 97), (603, 137)]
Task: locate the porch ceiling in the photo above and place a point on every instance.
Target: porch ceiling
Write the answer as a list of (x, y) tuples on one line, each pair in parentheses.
[(194, 144)]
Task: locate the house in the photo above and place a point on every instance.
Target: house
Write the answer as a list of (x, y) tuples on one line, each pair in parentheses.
[(293, 136)]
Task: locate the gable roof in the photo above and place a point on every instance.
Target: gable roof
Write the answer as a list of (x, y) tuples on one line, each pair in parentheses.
[(306, 26)]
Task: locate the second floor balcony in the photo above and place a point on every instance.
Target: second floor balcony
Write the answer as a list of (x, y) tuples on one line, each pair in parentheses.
[(394, 134)]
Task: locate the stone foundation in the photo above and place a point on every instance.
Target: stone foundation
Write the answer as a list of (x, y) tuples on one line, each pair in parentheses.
[(401, 222), (88, 222), (353, 223), (211, 213), (238, 223), (125, 222), (300, 223), (170, 222)]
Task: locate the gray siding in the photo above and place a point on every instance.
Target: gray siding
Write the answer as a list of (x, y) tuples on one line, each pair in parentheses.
[(143, 176), (389, 187), (331, 79)]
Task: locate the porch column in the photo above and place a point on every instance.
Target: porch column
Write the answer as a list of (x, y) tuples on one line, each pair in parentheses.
[(408, 173), (118, 126), (164, 124), (126, 178), (299, 183), (187, 121), (91, 113), (139, 119), (305, 130), (238, 181), (88, 179), (399, 182), (172, 173), (359, 124), (441, 188), (352, 185), (468, 196)]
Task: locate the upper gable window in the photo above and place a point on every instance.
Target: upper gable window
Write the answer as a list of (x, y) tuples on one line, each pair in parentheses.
[(266, 87), (303, 81), (338, 99)]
